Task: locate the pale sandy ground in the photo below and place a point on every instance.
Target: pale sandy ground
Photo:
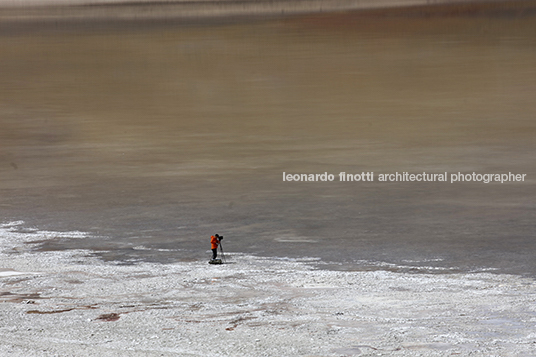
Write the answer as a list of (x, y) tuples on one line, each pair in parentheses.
[(357, 3), (69, 304), (54, 10)]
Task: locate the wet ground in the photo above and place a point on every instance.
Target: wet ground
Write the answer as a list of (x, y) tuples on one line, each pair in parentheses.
[(160, 136), (250, 306)]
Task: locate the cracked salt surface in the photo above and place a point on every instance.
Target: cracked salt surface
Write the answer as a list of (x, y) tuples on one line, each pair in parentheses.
[(69, 304)]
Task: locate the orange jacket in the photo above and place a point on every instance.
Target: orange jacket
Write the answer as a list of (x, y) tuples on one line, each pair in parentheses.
[(214, 241)]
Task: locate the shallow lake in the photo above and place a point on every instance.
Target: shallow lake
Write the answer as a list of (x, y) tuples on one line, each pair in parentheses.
[(155, 137)]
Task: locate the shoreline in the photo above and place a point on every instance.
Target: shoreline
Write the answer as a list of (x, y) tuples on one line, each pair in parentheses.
[(125, 10), (251, 306)]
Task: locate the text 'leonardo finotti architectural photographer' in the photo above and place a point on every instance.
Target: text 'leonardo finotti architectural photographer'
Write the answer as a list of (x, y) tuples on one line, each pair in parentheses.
[(407, 177)]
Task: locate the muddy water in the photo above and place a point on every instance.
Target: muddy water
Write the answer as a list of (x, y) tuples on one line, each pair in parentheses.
[(155, 137)]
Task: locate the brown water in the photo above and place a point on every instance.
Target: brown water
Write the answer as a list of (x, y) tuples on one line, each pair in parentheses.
[(163, 135)]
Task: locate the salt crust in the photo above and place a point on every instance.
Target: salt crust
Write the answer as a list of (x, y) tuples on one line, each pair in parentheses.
[(75, 305)]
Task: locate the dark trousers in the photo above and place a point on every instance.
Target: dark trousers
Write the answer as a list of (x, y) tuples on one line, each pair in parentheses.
[(214, 253)]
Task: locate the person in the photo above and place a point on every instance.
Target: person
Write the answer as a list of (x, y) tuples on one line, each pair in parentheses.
[(214, 242)]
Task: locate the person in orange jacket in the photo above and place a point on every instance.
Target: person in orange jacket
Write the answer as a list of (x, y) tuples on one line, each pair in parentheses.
[(214, 242)]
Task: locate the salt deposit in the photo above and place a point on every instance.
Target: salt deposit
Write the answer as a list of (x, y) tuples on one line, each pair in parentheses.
[(71, 304)]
